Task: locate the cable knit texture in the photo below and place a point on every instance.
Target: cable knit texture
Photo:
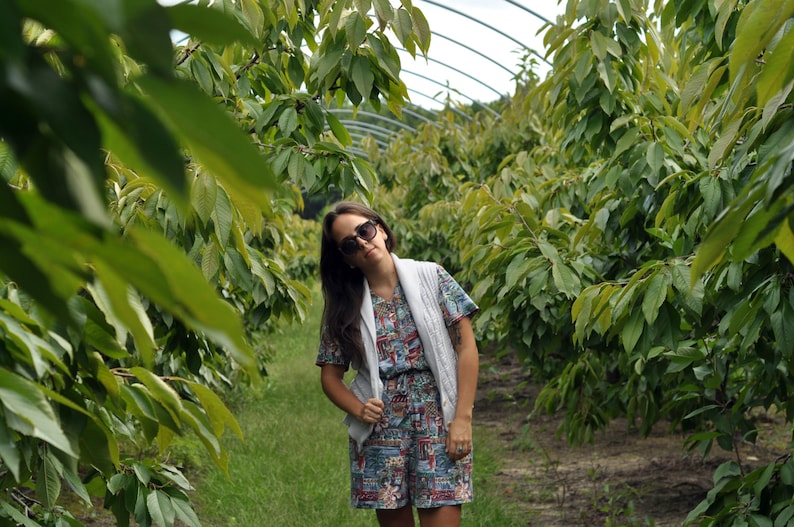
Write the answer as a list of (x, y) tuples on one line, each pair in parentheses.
[(419, 282)]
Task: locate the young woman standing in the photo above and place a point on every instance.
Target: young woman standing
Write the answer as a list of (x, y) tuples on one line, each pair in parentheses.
[(405, 326)]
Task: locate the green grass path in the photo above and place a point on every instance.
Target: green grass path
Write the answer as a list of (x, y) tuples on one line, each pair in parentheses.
[(291, 469)]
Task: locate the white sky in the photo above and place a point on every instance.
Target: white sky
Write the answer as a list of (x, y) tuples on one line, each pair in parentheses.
[(519, 24)]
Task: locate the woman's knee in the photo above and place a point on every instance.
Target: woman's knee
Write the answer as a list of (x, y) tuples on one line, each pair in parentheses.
[(402, 517), (446, 516)]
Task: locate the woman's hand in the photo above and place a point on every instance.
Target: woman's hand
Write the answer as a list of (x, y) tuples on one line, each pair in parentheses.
[(372, 411), (459, 439)]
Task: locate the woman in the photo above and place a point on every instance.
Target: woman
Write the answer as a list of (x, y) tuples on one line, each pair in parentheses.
[(405, 326)]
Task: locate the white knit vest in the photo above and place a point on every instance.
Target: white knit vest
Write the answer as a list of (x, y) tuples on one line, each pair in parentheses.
[(419, 281)]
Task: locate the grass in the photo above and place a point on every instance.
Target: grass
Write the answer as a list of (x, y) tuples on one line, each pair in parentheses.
[(292, 467)]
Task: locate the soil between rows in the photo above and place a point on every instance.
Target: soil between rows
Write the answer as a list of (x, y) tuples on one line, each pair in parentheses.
[(620, 479)]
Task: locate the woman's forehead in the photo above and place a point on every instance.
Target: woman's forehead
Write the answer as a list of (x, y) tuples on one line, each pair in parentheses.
[(345, 225)]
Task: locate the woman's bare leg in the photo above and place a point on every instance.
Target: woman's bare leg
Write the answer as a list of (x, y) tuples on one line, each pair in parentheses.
[(446, 516), (402, 517)]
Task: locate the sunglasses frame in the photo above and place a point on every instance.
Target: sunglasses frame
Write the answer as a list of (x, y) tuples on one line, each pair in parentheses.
[(358, 234)]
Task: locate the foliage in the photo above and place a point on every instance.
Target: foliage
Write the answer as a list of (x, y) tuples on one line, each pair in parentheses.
[(147, 228), (632, 243)]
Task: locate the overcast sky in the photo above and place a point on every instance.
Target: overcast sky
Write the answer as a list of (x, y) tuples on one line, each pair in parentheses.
[(502, 16)]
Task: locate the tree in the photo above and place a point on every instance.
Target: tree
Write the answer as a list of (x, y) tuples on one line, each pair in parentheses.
[(146, 223)]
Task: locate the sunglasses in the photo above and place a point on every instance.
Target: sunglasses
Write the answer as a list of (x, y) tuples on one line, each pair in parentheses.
[(366, 231)]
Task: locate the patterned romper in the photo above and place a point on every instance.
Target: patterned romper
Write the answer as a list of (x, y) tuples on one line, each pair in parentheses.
[(404, 460)]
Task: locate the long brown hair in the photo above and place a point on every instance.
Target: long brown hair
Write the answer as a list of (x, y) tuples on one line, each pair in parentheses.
[(343, 286)]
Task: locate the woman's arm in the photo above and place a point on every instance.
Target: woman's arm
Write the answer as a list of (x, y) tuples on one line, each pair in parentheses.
[(332, 378), (460, 430)]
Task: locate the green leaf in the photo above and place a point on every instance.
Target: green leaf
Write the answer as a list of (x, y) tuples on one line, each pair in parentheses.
[(655, 157), (99, 447), (138, 402), (122, 307), (421, 29), (33, 414), (517, 269), (158, 503), (224, 217), (599, 44), (48, 482), (160, 391), (384, 11), (204, 195), (757, 231), (185, 513), (208, 24), (785, 240), (9, 453), (218, 414), (565, 279), (722, 146), (72, 477), (549, 251), (200, 425), (355, 30), (627, 140), (632, 330), (361, 73), (696, 83), (339, 131), (363, 6), (765, 475), (719, 237), (174, 475), (782, 322), (201, 73), (288, 121), (403, 26), (18, 517), (777, 73), (654, 296)]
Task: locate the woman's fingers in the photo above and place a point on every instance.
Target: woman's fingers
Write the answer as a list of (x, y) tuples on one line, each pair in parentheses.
[(458, 440), (372, 411)]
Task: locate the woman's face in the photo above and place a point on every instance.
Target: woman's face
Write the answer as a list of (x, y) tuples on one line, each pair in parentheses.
[(350, 232)]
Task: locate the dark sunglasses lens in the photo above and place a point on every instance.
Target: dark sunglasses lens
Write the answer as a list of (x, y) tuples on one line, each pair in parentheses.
[(349, 247), (367, 231)]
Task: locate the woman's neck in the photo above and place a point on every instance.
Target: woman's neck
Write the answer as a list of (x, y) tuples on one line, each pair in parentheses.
[(383, 278)]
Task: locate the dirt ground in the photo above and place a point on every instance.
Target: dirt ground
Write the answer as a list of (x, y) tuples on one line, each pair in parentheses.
[(620, 480)]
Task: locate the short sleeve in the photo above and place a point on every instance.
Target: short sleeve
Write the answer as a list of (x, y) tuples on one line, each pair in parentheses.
[(455, 303), (330, 352)]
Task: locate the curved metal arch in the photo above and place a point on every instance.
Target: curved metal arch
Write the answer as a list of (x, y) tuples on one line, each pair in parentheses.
[(353, 125), (374, 116), (476, 51), (385, 133), (379, 142), (528, 10), (445, 104), (495, 30), (422, 117), (456, 70), (358, 152), (473, 101)]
